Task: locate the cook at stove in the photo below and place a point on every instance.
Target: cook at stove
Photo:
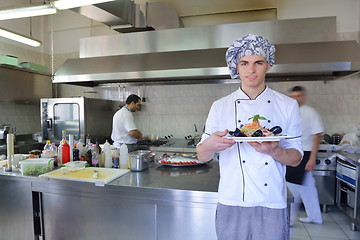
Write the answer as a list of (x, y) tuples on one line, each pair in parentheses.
[(124, 129)]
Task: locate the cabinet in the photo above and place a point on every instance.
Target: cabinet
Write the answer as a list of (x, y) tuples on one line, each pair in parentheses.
[(16, 210), (348, 188)]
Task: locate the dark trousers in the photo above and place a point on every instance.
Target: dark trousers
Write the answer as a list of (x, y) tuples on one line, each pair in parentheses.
[(296, 174)]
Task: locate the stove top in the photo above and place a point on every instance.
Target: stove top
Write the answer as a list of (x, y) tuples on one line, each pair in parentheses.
[(155, 143), (325, 161)]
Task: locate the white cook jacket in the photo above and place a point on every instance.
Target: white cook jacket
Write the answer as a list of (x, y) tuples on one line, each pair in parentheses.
[(249, 178), (311, 125), (123, 122)]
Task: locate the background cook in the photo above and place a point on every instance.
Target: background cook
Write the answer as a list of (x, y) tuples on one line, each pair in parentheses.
[(124, 129)]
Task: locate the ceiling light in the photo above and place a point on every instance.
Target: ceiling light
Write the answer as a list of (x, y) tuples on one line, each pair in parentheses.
[(19, 38), (29, 11), (67, 4)]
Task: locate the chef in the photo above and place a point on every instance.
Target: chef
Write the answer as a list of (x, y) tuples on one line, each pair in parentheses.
[(124, 129), (252, 191)]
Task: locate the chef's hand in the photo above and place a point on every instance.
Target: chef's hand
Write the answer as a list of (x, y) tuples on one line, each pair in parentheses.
[(264, 147), (290, 157), (206, 150)]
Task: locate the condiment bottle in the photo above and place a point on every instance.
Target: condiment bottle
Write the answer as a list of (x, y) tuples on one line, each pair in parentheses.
[(107, 154), (65, 153), (124, 156)]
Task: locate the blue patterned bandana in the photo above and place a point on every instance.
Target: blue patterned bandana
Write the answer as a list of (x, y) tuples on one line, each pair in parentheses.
[(247, 46)]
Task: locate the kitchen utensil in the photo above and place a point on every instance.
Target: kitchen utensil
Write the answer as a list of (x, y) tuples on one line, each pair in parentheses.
[(139, 160)]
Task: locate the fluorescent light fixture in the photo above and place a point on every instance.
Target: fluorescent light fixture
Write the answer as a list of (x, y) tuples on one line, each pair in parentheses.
[(19, 38), (29, 11), (67, 4)]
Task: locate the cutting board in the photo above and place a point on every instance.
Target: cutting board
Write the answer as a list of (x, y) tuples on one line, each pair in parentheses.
[(105, 175)]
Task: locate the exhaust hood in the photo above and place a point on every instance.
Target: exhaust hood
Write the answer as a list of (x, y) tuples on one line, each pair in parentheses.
[(197, 54), (126, 16)]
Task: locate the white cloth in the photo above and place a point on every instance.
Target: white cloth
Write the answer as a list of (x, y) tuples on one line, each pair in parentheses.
[(311, 125), (307, 192), (123, 122), (249, 178)]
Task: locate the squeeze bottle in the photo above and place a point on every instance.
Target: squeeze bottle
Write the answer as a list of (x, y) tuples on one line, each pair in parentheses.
[(65, 153), (124, 156), (107, 153)]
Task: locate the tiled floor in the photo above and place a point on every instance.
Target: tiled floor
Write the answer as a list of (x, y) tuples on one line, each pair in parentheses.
[(336, 226)]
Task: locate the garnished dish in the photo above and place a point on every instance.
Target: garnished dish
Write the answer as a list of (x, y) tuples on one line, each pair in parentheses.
[(255, 132)]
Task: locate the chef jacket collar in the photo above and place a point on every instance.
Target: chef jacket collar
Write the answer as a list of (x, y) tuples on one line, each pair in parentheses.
[(240, 94)]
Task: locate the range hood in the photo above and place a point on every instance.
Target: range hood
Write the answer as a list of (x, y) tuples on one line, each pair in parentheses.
[(197, 54), (126, 16)]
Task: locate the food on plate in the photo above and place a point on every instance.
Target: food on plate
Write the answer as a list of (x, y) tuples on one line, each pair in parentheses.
[(180, 160), (254, 129)]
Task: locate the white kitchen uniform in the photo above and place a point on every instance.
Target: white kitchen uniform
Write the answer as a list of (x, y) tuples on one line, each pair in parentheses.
[(307, 192), (249, 178), (123, 122)]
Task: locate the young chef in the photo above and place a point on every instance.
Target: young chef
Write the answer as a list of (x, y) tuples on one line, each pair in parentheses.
[(252, 191), (124, 129)]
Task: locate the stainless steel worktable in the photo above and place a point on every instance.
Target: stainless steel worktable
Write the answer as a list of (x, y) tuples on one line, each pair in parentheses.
[(157, 203)]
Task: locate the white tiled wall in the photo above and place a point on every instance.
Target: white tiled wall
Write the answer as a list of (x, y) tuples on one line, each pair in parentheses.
[(174, 109)]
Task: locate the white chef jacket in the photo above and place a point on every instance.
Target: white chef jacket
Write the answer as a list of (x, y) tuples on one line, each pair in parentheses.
[(123, 122), (311, 125), (249, 178)]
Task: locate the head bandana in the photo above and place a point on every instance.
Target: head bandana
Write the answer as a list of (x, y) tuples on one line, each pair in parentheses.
[(247, 46)]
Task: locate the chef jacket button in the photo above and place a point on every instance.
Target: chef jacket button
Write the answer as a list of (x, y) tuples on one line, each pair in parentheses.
[(238, 101), (243, 161), (269, 101), (239, 120), (269, 121), (266, 163), (265, 184)]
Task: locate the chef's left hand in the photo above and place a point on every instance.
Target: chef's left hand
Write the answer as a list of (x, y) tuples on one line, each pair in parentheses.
[(264, 147)]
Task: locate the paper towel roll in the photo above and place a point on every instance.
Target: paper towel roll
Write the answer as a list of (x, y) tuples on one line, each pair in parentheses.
[(10, 147), (71, 143)]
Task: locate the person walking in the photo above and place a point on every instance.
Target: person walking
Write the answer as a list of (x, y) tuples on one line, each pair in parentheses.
[(304, 188)]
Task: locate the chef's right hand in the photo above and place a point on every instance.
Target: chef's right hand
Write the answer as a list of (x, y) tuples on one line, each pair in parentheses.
[(217, 142), (205, 150)]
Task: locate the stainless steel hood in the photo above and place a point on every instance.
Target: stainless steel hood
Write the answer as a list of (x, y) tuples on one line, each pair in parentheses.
[(196, 55), (126, 16)]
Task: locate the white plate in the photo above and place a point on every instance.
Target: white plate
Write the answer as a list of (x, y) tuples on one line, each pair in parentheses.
[(258, 139)]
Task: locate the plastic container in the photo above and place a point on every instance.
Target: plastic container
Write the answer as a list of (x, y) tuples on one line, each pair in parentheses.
[(124, 156), (36, 166), (75, 166)]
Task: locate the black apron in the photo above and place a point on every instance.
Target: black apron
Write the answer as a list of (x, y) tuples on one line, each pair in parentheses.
[(296, 174)]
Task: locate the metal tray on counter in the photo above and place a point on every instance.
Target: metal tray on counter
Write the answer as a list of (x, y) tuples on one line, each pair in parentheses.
[(180, 160)]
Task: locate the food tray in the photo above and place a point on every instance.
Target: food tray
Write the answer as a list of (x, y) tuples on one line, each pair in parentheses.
[(180, 161)]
